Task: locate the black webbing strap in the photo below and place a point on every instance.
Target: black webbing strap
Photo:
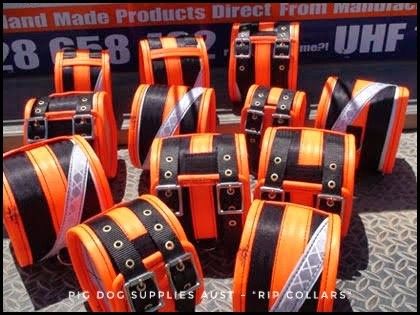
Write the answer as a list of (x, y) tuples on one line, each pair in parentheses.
[(244, 53), (378, 120), (179, 265), (37, 123), (31, 204), (68, 75), (190, 65), (340, 96), (332, 173), (95, 53), (254, 125), (94, 76), (279, 160), (158, 64), (281, 116), (69, 52), (263, 252), (280, 59), (229, 193), (189, 121), (151, 117), (83, 120), (128, 262)]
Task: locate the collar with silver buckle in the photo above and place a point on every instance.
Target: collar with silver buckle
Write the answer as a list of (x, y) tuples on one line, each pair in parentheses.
[(80, 119), (227, 186), (168, 191), (273, 192)]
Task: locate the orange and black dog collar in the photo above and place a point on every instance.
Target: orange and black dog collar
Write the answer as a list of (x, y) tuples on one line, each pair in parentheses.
[(373, 112), (308, 166), (167, 110), (269, 107), (48, 187), (264, 53), (285, 248), (139, 252), (88, 114), (178, 60), (204, 179), (82, 70)]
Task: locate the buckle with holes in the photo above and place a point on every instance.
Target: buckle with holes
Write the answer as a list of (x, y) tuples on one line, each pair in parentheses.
[(280, 43), (229, 185), (84, 119), (240, 42), (179, 261), (330, 201), (133, 283), (273, 191), (170, 188), (34, 121)]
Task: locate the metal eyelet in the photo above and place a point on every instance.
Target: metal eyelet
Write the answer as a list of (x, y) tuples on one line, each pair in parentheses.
[(169, 159), (168, 193), (271, 195), (180, 266), (147, 212), (84, 99), (83, 135), (226, 157), (83, 108), (169, 245), (274, 177), (129, 263), (118, 244), (254, 117), (331, 184), (187, 286), (232, 223), (333, 166), (106, 228), (260, 94), (257, 103), (282, 106), (41, 102), (252, 140), (228, 172), (241, 68), (285, 97), (168, 174), (36, 137), (37, 111), (282, 67), (330, 203), (277, 160), (231, 208), (158, 227), (283, 28), (230, 191)]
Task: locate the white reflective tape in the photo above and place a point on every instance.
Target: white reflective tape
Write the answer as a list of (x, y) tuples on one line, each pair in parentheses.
[(356, 104), (75, 197), (305, 274), (199, 79), (169, 126), (99, 82)]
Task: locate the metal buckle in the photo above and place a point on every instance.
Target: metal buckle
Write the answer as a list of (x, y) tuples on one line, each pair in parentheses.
[(132, 283), (253, 131), (273, 190), (281, 116), (84, 118), (241, 42), (227, 185), (174, 262), (280, 42), (37, 120), (329, 198), (172, 187)]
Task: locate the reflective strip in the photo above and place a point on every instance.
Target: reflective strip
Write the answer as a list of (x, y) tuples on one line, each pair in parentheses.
[(75, 197), (99, 82), (305, 274), (169, 126), (356, 104)]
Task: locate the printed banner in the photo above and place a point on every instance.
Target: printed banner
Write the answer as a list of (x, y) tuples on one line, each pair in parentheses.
[(330, 32)]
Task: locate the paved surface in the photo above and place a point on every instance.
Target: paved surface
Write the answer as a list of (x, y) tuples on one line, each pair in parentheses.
[(378, 266)]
